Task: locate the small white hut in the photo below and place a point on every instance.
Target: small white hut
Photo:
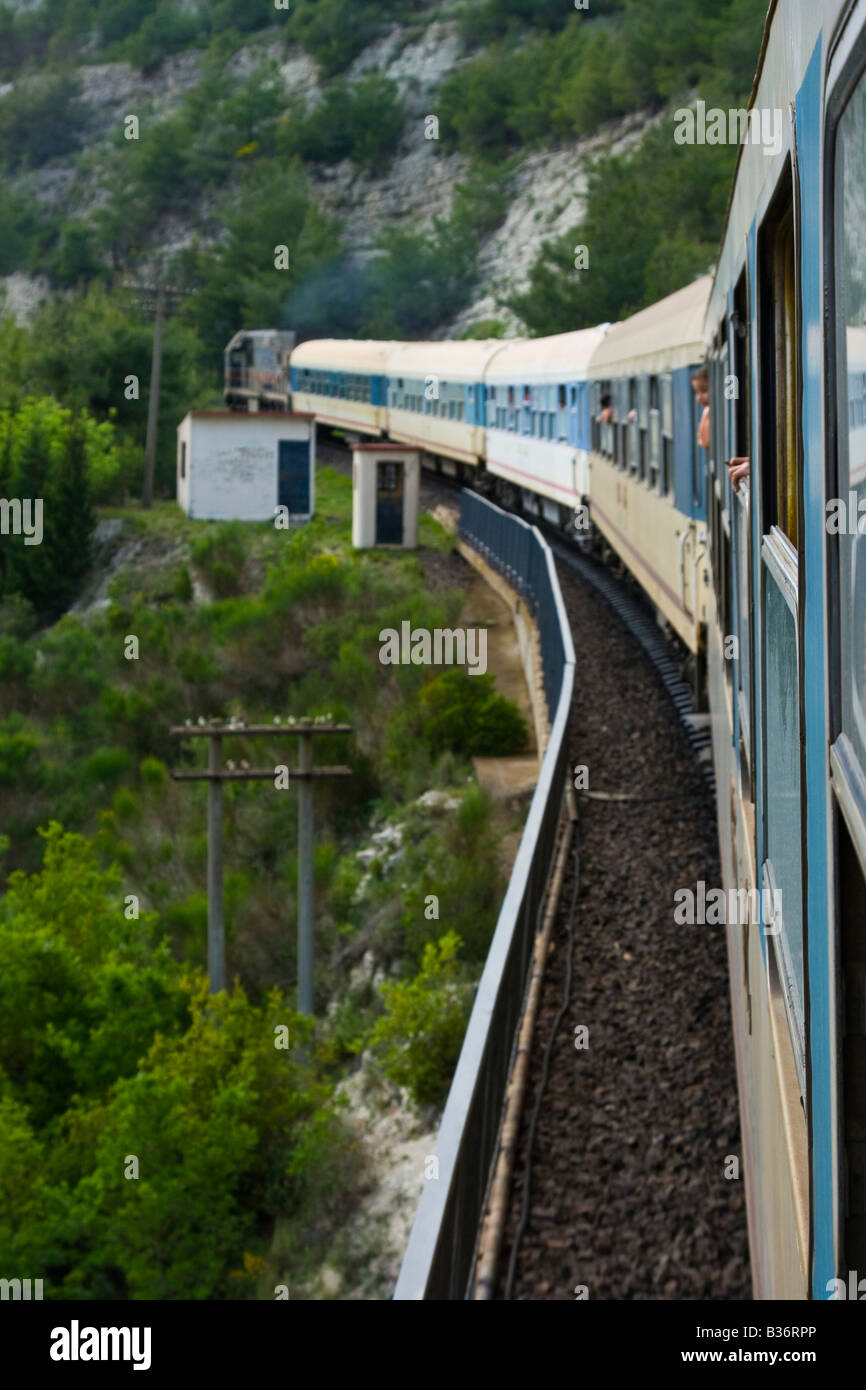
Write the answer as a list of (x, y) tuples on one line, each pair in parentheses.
[(385, 489), (234, 466)]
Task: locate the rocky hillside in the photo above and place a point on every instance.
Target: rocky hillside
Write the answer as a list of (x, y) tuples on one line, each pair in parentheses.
[(428, 61)]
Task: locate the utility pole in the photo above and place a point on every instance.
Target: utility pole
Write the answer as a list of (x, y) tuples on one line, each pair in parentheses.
[(158, 299), (215, 775), (305, 877), (216, 946), (153, 399)]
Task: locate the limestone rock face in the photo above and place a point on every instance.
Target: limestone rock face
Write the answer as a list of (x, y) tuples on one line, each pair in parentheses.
[(546, 195)]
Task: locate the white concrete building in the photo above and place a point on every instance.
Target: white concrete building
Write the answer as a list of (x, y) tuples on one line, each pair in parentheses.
[(385, 490), (233, 466)]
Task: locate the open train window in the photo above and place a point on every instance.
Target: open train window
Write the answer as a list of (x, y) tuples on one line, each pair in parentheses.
[(631, 427), (741, 526), (719, 516), (778, 406), (775, 489)]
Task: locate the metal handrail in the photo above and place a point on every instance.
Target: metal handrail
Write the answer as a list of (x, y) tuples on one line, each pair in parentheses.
[(439, 1256)]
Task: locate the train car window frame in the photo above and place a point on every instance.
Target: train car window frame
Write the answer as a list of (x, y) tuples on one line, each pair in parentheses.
[(779, 377), (741, 526), (847, 769)]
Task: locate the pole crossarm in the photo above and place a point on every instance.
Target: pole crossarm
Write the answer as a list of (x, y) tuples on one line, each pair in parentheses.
[(259, 774), (259, 730)]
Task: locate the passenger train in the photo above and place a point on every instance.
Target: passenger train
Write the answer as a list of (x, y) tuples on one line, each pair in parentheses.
[(766, 594)]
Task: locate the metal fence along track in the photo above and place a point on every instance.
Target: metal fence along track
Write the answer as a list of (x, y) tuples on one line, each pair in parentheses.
[(439, 1257)]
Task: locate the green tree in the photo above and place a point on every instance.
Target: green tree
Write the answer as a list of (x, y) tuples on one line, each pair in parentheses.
[(419, 1036), (41, 119)]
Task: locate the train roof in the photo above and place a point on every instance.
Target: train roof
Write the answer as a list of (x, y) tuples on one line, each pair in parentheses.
[(666, 335), (366, 355), (557, 358), (465, 360), (281, 337)]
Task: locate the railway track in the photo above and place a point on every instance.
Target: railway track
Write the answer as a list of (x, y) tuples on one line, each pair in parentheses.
[(619, 1188)]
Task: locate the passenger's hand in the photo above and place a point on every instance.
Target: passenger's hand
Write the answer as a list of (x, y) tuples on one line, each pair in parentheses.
[(737, 470)]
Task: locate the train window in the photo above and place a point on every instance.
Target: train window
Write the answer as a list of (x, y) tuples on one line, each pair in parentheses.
[(741, 527), (562, 398), (778, 406), (775, 492), (667, 469), (719, 516), (666, 411), (643, 401), (511, 395), (849, 544)]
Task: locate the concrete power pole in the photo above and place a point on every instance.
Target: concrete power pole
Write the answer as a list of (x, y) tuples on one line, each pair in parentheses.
[(159, 300), (304, 775), (153, 400)]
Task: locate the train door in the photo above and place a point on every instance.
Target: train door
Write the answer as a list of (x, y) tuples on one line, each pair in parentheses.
[(389, 502), (776, 493), (846, 552), (293, 467)]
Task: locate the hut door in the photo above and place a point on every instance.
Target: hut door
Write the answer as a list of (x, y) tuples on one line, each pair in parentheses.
[(294, 476), (389, 503)]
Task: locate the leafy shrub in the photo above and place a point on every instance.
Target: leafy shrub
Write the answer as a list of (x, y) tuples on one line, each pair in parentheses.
[(20, 754), (40, 120), (418, 1038), (107, 1050), (104, 767), (465, 714), (335, 31), (220, 553), (363, 121), (17, 659)]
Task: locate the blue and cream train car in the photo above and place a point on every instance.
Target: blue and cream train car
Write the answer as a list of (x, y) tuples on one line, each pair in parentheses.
[(436, 398), (343, 382), (538, 421), (787, 645), (646, 472)]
